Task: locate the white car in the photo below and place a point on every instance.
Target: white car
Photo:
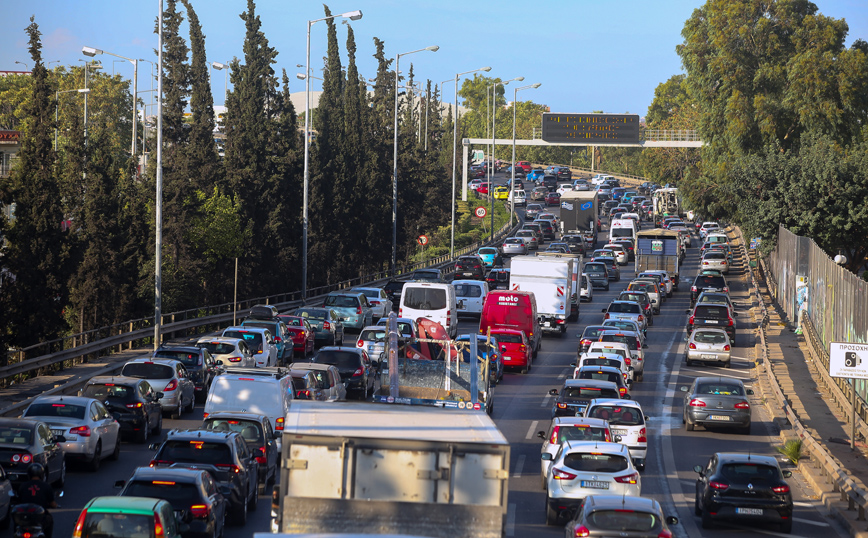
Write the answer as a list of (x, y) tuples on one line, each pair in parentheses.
[(586, 292), (627, 421), (635, 343), (260, 342), (518, 197), (231, 351), (474, 184), (564, 188), (606, 359), (582, 468), (621, 255), (581, 185), (708, 227), (618, 348), (664, 276), (570, 429), (379, 300)]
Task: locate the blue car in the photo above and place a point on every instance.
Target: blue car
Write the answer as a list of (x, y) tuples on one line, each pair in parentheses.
[(536, 174), (496, 368), (490, 256)]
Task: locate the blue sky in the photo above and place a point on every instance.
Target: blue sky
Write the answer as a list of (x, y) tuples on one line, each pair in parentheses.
[(588, 54)]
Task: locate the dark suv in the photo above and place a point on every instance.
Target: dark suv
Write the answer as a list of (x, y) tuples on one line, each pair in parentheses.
[(707, 282), (498, 279), (393, 290), (575, 242), (360, 374), (548, 230), (224, 454), (564, 173), (471, 267), (718, 316), (427, 275), (257, 432), (201, 366), (193, 491), (131, 401), (575, 395)]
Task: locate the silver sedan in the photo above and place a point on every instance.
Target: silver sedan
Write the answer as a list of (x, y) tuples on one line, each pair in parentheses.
[(715, 259), (530, 238), (717, 401), (515, 246), (91, 432), (711, 345)]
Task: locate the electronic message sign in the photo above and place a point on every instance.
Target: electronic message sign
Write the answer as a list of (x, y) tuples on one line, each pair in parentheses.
[(591, 128)]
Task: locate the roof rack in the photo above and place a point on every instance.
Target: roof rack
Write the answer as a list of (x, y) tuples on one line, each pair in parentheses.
[(269, 371)]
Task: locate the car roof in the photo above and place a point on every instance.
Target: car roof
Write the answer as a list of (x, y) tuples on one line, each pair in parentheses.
[(385, 320), (738, 457), (599, 383), (708, 329), (624, 502), (164, 473), (615, 401), (597, 368), (355, 350), (77, 400), (622, 331), (311, 366), (164, 362), (250, 328), (718, 379), (224, 339), (566, 421), (186, 348), (141, 505), (256, 417), (204, 435), (117, 379)]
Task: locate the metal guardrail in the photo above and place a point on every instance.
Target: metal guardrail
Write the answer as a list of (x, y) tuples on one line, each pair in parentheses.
[(851, 492)]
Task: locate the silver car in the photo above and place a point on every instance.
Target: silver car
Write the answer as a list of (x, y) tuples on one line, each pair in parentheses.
[(716, 401), (530, 238), (230, 351), (328, 378), (373, 340), (169, 377), (570, 429), (627, 310), (707, 344), (715, 259), (380, 303), (514, 246), (91, 432)]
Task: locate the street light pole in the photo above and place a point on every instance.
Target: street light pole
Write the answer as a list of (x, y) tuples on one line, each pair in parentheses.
[(158, 256), (353, 16), (223, 67), (494, 144), (455, 155), (512, 183), (90, 51), (433, 48)]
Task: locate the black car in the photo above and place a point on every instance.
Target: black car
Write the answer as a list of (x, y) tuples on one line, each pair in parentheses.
[(608, 205), (471, 267), (614, 271), (590, 335), (548, 231), (549, 182), (603, 197), (707, 282), (575, 395), (191, 491), (427, 275), (564, 173), (224, 454), (598, 274), (257, 432), (24, 441), (393, 290), (132, 402), (575, 242), (201, 366), (747, 488), (360, 374), (498, 279), (717, 316)]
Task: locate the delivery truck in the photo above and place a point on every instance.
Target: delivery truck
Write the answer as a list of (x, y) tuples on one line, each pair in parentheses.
[(659, 250), (580, 212), (551, 281)]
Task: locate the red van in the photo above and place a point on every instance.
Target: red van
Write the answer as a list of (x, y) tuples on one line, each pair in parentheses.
[(505, 309)]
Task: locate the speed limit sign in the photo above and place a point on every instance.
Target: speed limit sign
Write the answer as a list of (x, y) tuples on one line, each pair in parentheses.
[(480, 212), (423, 240)]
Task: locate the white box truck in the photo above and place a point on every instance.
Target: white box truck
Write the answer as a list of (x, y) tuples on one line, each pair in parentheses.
[(551, 281)]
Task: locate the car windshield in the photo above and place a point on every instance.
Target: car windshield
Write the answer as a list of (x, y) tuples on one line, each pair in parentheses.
[(217, 348), (179, 494), (121, 393), (312, 313), (344, 360), (144, 370), (117, 525), (55, 409), (618, 415), (595, 462), (750, 472), (342, 301), (623, 520), (723, 389), (195, 451), (709, 337), (250, 430), (185, 357), (421, 298), (625, 308)]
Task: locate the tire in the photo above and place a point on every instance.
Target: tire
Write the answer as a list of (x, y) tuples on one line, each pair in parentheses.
[(787, 526), (93, 466), (252, 506), (551, 514), (62, 480), (142, 435), (176, 414), (726, 364), (193, 403), (607, 287), (689, 426), (745, 430), (707, 523), (4, 523), (158, 429), (524, 370), (697, 510), (116, 455), (240, 517), (688, 361)]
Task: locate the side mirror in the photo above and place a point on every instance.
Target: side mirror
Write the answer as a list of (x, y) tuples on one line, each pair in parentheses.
[(787, 474), (647, 417), (225, 490), (735, 314), (119, 484), (277, 435), (672, 520), (553, 392), (687, 311), (644, 346), (573, 364), (603, 310), (749, 392), (697, 469), (220, 362), (683, 389), (541, 434), (545, 456)]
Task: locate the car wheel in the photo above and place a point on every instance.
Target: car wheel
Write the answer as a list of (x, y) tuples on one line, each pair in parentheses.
[(97, 456), (726, 364), (551, 513), (158, 429), (689, 426), (255, 500), (707, 523), (688, 361), (176, 414), (607, 287), (116, 455), (697, 510), (4, 523), (193, 401), (241, 514), (142, 435), (62, 480)]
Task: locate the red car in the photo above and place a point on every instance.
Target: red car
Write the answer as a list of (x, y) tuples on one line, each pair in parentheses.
[(302, 334), (483, 188), (553, 198), (524, 165), (514, 348)]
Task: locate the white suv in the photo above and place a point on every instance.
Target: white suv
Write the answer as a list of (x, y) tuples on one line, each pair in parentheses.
[(626, 420), (259, 341), (563, 429)]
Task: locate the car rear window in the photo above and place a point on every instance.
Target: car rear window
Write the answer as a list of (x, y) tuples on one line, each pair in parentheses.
[(625, 308), (592, 332), (195, 451), (623, 521), (299, 383), (425, 298), (622, 232), (595, 268), (580, 432), (601, 361), (144, 370), (739, 472), (623, 338), (595, 463), (113, 524), (187, 358), (614, 377), (316, 315), (711, 311), (56, 409), (373, 335), (590, 392), (467, 290), (709, 337), (710, 281), (101, 392), (510, 338), (720, 389), (179, 494), (633, 297), (342, 301), (647, 287), (217, 348), (254, 340), (17, 435), (715, 254), (618, 415), (343, 360), (249, 429)]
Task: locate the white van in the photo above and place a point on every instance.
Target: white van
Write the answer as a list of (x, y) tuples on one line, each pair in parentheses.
[(432, 300), (470, 296), (519, 196), (264, 391), (620, 228)]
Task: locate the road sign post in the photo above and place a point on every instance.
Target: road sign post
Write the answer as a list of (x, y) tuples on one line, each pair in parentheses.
[(849, 360)]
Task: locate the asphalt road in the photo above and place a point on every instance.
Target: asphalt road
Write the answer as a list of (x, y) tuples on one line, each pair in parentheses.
[(523, 407)]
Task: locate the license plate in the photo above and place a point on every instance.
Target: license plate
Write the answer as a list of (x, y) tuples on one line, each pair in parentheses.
[(595, 484), (713, 321), (619, 432), (712, 357), (719, 417), (547, 324), (58, 432), (749, 511)]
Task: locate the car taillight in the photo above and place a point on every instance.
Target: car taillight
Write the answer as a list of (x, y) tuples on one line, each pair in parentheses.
[(278, 339), (83, 431), (358, 310), (562, 405), (628, 360), (726, 347), (303, 395), (200, 511), (559, 474), (629, 479), (622, 390), (375, 303), (642, 436), (641, 317), (696, 403), (693, 288), (582, 532), (781, 489), (360, 343), (22, 458), (665, 534), (606, 316), (692, 345), (231, 467), (638, 345), (554, 437), (730, 322), (726, 289), (261, 460), (721, 486), (279, 424), (155, 463), (742, 405), (79, 524), (358, 372), (690, 320), (159, 531), (137, 405), (173, 384), (448, 318), (400, 312), (586, 342)]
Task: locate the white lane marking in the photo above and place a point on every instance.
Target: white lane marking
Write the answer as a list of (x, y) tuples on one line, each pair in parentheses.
[(519, 466), (715, 372), (809, 522), (741, 358), (803, 504), (545, 402), (510, 519), (564, 374), (530, 431)]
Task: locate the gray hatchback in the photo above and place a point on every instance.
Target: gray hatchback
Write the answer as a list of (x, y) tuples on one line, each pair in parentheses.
[(716, 401)]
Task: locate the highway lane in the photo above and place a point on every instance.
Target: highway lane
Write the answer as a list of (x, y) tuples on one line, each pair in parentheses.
[(523, 407)]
